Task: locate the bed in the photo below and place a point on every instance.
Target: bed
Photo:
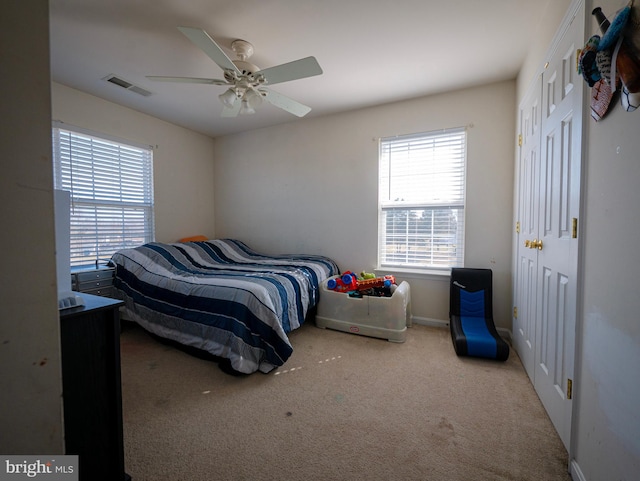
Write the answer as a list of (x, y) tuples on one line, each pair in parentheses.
[(222, 297)]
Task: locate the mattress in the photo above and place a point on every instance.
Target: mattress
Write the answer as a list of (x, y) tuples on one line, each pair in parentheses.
[(221, 296)]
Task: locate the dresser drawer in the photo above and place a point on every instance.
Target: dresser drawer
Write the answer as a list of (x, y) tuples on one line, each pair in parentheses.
[(98, 282), (93, 284), (108, 291), (94, 275)]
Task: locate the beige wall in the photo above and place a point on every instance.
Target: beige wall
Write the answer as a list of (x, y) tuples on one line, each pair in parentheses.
[(608, 433), (182, 159), (30, 378), (311, 186)]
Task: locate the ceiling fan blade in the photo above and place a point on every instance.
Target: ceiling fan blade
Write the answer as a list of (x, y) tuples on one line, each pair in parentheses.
[(286, 103), (209, 46), (231, 111), (189, 80), (303, 68)]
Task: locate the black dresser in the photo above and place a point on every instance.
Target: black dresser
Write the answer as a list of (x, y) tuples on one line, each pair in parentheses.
[(91, 389)]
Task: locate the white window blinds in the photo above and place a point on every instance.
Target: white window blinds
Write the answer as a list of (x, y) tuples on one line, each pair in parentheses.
[(111, 186), (421, 200)]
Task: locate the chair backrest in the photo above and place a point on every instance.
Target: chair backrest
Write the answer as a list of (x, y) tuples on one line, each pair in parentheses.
[(471, 292)]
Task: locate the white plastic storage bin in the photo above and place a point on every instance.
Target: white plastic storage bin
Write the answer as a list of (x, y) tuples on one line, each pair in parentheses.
[(383, 317)]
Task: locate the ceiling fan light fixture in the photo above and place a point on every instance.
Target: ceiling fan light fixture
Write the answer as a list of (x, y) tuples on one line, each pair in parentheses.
[(246, 81), (253, 98), (245, 108), (228, 98)]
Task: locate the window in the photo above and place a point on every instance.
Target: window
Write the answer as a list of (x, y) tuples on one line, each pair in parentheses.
[(421, 201), (111, 186)]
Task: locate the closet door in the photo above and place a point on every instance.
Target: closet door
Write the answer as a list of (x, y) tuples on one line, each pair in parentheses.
[(548, 204), (528, 178), (557, 272)]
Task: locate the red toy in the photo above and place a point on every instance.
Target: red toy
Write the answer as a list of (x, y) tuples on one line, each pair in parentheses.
[(386, 281), (347, 282)]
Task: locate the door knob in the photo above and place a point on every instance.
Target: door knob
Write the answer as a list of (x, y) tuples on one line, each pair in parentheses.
[(533, 244)]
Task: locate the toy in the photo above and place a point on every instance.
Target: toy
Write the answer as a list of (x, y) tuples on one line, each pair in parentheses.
[(345, 283), (349, 283), (613, 59), (386, 281)]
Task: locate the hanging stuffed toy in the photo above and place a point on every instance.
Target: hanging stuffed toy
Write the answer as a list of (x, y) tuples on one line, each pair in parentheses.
[(601, 95), (632, 30), (587, 61), (595, 67), (631, 99), (612, 62)]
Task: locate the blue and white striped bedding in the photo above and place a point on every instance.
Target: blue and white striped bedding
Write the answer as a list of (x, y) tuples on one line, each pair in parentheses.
[(221, 296)]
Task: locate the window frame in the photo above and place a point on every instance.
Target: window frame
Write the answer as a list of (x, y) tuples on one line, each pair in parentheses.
[(456, 206), (109, 211)]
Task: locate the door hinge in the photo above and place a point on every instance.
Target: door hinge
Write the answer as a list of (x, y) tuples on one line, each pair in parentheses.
[(518, 227), (519, 140), (569, 388), (515, 312), (574, 228)]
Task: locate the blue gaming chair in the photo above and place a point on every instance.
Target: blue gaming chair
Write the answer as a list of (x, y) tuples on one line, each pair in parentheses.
[(473, 331)]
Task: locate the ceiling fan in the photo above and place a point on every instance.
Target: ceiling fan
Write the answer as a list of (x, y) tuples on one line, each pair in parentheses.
[(247, 83)]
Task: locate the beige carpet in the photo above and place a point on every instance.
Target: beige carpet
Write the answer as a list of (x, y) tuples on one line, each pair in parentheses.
[(344, 407)]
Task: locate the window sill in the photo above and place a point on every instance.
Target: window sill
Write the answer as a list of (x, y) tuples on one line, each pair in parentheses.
[(436, 275)]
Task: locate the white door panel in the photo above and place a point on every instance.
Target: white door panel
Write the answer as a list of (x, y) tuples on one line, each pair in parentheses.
[(557, 263), (548, 201), (528, 176)]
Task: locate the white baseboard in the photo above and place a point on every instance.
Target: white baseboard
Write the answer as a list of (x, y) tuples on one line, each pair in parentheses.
[(504, 334), (576, 472), (426, 321)]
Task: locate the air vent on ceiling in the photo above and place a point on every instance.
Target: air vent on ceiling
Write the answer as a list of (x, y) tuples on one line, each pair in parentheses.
[(126, 85)]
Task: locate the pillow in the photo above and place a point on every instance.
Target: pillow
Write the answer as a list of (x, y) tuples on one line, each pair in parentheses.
[(194, 238)]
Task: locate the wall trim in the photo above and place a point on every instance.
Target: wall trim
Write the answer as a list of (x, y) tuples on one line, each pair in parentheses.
[(426, 321), (568, 18), (576, 472)]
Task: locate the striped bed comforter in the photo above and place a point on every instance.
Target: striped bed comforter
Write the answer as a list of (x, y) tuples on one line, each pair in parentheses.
[(221, 296)]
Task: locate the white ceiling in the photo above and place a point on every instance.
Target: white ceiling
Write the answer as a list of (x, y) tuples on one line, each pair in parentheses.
[(371, 51)]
